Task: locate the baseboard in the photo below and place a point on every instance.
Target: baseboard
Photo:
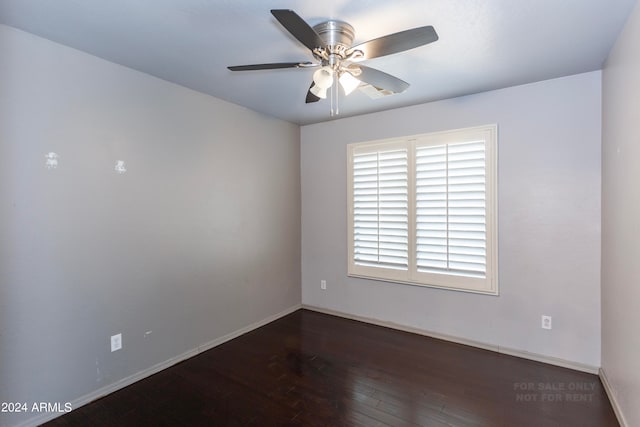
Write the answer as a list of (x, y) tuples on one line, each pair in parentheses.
[(492, 347), (612, 398), (101, 392)]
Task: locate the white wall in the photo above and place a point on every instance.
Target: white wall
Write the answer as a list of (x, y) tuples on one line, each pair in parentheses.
[(549, 224), (621, 220), (198, 239)]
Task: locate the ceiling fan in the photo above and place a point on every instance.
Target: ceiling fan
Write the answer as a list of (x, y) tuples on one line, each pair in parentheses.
[(338, 61)]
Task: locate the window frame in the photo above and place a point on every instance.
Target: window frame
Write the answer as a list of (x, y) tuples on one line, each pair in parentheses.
[(487, 285)]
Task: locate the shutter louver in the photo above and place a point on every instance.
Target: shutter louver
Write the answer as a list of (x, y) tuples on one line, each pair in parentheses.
[(380, 209), (451, 209)]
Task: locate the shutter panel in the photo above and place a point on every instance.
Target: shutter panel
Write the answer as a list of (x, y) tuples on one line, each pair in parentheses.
[(451, 209), (380, 209)]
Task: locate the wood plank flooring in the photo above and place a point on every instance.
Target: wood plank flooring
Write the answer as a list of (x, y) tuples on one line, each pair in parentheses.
[(311, 369)]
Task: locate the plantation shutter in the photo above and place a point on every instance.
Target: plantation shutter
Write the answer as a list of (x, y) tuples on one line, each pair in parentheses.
[(380, 209), (451, 209), (422, 209)]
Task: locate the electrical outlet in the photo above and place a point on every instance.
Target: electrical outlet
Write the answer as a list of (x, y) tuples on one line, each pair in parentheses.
[(323, 284), (546, 322), (116, 342)]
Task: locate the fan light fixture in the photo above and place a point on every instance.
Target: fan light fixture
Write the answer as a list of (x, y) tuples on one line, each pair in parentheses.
[(348, 82), (323, 80)]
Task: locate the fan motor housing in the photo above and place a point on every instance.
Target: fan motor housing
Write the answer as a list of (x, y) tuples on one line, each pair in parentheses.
[(337, 35)]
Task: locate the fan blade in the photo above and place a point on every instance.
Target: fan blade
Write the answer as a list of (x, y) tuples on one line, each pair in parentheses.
[(310, 96), (272, 66), (381, 80), (298, 28), (396, 42)]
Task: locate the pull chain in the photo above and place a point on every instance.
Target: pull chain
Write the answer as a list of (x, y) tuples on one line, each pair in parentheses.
[(335, 85), (331, 96), (331, 101), (335, 109)]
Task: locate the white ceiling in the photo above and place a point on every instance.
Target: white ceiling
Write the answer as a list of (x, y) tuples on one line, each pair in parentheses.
[(484, 44)]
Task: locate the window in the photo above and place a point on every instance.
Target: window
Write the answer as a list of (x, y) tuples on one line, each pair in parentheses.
[(422, 209)]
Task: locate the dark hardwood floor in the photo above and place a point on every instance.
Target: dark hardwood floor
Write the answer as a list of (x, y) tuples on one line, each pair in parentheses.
[(311, 369)]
